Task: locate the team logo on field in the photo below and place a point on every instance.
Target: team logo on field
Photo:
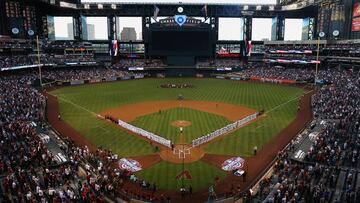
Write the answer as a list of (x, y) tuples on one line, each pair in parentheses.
[(129, 165), (233, 164)]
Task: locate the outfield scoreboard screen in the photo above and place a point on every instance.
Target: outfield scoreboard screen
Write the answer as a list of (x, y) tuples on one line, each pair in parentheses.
[(193, 42)]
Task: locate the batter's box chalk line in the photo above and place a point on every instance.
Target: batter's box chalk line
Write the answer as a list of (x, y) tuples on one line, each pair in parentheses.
[(182, 152), (187, 151)]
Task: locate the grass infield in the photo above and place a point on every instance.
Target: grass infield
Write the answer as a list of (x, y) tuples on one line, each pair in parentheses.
[(201, 123), (80, 104)]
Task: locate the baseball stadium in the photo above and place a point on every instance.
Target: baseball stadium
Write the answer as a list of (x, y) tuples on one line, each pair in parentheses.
[(246, 101)]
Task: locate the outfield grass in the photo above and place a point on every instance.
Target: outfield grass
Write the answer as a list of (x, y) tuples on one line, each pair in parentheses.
[(164, 175), (242, 142), (201, 123), (79, 104)]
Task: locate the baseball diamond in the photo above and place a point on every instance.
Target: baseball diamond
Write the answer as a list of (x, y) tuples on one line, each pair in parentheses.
[(180, 101), (155, 110)]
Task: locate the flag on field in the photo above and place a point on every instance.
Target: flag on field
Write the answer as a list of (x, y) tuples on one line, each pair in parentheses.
[(244, 47), (156, 12), (113, 51), (204, 10), (249, 46)]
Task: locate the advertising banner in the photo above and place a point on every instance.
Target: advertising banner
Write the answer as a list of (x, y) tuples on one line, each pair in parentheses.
[(355, 24), (356, 10), (77, 82), (272, 80)]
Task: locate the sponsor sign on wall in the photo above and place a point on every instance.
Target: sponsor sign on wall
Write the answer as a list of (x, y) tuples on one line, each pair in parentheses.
[(355, 24)]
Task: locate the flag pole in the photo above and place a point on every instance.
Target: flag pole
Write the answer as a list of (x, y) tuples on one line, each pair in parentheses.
[(317, 59), (39, 65)]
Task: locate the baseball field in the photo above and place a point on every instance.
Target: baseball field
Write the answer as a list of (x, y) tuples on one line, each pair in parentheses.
[(208, 106)]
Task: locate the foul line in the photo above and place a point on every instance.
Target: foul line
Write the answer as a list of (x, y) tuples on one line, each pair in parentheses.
[(76, 105), (280, 105)]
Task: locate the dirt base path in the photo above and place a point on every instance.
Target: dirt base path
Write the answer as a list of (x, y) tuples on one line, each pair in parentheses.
[(130, 112), (216, 159), (61, 126), (254, 166), (182, 153), (181, 123), (147, 161)]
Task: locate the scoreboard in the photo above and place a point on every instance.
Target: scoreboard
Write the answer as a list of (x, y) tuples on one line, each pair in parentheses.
[(180, 42)]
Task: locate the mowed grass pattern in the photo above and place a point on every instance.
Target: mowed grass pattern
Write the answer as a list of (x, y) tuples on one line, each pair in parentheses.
[(201, 123), (102, 133), (80, 104), (243, 141), (99, 97), (164, 174)]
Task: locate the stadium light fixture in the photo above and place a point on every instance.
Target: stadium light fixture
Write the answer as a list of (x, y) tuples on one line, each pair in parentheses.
[(180, 9)]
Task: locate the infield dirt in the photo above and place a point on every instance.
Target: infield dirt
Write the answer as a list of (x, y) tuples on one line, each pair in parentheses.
[(130, 112), (254, 165)]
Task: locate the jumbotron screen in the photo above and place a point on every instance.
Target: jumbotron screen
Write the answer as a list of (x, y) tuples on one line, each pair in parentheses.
[(175, 42)]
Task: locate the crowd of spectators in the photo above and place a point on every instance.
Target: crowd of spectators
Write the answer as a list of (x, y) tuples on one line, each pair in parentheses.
[(46, 44), (289, 47), (18, 44), (348, 49), (224, 63), (29, 171), (330, 171), (32, 59), (18, 60), (139, 63), (276, 72), (82, 73), (339, 144)]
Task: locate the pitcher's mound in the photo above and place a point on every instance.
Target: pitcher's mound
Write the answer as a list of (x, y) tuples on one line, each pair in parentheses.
[(180, 123)]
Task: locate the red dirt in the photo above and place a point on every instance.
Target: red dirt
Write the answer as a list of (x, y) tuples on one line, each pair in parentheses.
[(191, 155), (254, 166), (181, 123), (130, 112), (147, 161), (62, 127)]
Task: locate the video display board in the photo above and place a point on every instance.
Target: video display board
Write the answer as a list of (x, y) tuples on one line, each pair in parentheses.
[(194, 42)]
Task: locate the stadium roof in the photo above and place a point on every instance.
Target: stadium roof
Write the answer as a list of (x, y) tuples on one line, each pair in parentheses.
[(179, 2)]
